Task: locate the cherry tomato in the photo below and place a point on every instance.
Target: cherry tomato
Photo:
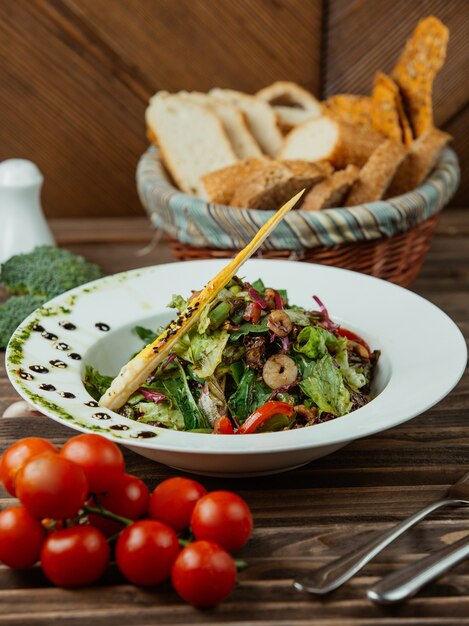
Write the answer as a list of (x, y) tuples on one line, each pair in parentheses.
[(146, 551), (17, 455), (51, 486), (100, 459), (75, 557), (204, 574), (222, 517), (223, 426), (173, 501), (21, 538), (127, 496)]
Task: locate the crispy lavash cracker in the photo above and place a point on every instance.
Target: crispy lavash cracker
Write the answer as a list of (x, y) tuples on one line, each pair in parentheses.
[(377, 174), (267, 187), (349, 108), (387, 112), (331, 192), (422, 58), (420, 160)]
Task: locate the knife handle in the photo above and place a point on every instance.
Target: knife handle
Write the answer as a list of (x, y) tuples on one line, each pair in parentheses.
[(406, 582)]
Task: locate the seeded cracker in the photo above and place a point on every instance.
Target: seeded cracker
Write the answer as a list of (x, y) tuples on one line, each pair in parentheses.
[(388, 115), (416, 69), (349, 108)]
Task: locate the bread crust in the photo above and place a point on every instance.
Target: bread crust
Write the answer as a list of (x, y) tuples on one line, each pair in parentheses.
[(420, 160), (221, 185), (377, 174), (271, 185), (170, 159), (353, 145), (331, 191)]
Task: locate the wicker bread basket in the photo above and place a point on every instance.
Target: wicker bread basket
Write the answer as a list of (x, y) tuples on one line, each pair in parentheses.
[(387, 239)]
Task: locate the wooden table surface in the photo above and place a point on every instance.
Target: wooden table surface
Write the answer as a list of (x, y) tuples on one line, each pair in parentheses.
[(303, 518)]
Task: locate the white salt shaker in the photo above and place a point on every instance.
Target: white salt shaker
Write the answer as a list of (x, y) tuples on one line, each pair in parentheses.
[(22, 222)]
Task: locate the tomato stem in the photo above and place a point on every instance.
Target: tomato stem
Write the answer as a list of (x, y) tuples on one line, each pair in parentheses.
[(185, 542), (240, 565), (107, 514)]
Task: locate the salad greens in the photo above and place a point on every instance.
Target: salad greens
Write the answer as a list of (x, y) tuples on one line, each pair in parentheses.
[(254, 363)]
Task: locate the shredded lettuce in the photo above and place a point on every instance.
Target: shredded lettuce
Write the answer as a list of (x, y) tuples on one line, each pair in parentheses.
[(326, 388)]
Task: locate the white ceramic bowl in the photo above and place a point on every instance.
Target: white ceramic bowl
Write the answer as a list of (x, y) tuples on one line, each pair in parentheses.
[(423, 356)]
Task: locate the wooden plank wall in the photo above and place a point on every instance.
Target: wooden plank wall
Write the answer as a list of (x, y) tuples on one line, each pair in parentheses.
[(75, 74)]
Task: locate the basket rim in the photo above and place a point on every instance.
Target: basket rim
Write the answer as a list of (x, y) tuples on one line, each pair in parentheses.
[(199, 223)]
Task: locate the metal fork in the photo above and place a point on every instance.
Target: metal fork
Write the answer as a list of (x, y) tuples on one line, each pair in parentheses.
[(335, 574)]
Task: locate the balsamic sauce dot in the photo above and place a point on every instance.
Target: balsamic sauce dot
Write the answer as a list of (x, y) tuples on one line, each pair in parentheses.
[(46, 387), (92, 403), (119, 427), (74, 356), (145, 434), (101, 416), (39, 369), (49, 336), (68, 325), (57, 363), (62, 346), (67, 394), (25, 375), (38, 328), (101, 326)]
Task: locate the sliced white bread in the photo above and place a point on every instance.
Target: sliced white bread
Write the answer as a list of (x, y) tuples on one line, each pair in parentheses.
[(335, 141), (377, 173), (292, 104), (272, 184), (421, 158), (191, 139), (331, 192), (234, 122), (261, 118), (220, 186)]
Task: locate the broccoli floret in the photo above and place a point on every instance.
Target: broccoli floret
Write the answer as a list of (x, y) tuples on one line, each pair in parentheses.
[(13, 312), (46, 272)]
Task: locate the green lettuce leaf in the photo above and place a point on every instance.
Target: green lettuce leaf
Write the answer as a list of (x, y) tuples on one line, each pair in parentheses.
[(208, 351), (162, 413), (177, 302), (249, 395), (145, 334), (314, 341), (96, 384), (354, 376), (326, 388), (298, 316), (247, 328), (178, 388), (212, 401)]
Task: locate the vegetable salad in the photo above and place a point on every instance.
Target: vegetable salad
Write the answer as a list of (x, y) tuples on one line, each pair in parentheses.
[(253, 363)]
